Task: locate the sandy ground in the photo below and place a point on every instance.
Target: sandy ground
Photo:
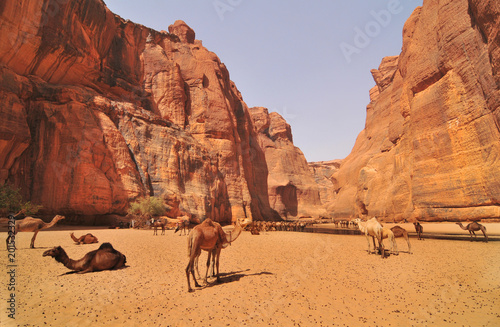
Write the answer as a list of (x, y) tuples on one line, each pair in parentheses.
[(276, 278)]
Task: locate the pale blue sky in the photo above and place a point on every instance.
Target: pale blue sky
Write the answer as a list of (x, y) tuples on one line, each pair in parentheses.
[(309, 61)]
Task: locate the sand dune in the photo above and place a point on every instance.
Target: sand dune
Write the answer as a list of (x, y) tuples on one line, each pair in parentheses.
[(276, 278)]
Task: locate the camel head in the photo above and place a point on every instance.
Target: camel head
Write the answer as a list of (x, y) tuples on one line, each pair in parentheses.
[(54, 252), (244, 223), (59, 217)]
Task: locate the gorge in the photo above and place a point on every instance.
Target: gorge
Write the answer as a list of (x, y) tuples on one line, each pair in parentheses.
[(98, 111)]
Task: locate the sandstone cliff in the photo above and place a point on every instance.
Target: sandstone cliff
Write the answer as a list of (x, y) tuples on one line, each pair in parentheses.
[(293, 192), (98, 111), (431, 143)]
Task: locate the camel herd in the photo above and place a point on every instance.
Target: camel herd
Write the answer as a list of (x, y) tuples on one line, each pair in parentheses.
[(209, 236)]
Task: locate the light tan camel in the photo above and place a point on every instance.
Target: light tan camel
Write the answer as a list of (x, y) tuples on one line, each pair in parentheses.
[(104, 258), (84, 239), (156, 224), (208, 236), (401, 232), (419, 229), (373, 229), (474, 227), (30, 224)]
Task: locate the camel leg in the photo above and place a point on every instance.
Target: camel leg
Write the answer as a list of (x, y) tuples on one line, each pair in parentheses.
[(381, 247), (32, 245), (219, 249), (484, 233), (409, 245), (368, 240), (190, 270), (395, 246), (374, 245), (208, 266)]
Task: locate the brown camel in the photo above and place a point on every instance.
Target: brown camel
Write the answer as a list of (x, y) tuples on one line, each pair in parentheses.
[(419, 229), (156, 224), (184, 224), (208, 236), (399, 231), (474, 227), (104, 258), (84, 239), (30, 224)]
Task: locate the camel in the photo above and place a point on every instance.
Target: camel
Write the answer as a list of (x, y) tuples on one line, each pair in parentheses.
[(401, 232), (104, 258), (474, 227), (30, 224), (183, 225), (419, 229), (84, 239), (372, 228), (208, 236), (389, 234), (156, 224)]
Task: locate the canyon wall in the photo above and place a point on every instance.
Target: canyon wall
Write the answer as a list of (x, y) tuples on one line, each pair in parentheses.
[(293, 191), (98, 111), (431, 144)]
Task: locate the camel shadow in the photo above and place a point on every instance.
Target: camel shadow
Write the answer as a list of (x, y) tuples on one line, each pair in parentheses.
[(76, 272), (233, 276)]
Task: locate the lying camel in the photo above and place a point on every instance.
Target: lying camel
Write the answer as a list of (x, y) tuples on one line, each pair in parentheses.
[(84, 239), (373, 229), (401, 232), (104, 258)]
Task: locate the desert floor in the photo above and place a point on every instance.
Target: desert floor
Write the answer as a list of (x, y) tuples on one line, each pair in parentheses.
[(276, 278)]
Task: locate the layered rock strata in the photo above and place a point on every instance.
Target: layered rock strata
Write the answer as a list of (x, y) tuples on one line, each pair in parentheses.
[(430, 147), (293, 192), (98, 111)]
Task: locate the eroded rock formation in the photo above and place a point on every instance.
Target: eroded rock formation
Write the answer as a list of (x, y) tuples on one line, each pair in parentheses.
[(430, 147), (293, 192), (98, 111)]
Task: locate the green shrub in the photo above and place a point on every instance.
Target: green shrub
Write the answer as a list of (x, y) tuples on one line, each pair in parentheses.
[(147, 207), (11, 201)]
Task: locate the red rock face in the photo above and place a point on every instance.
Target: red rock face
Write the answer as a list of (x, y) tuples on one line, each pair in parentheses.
[(293, 192), (431, 141), (97, 111)]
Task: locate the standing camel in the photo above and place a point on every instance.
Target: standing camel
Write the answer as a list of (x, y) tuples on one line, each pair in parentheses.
[(208, 236), (156, 224), (388, 234), (373, 229), (30, 224), (184, 224), (419, 229), (474, 227), (401, 232)]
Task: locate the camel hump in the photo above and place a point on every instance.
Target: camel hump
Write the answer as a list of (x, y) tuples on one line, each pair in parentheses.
[(106, 246), (208, 222)]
